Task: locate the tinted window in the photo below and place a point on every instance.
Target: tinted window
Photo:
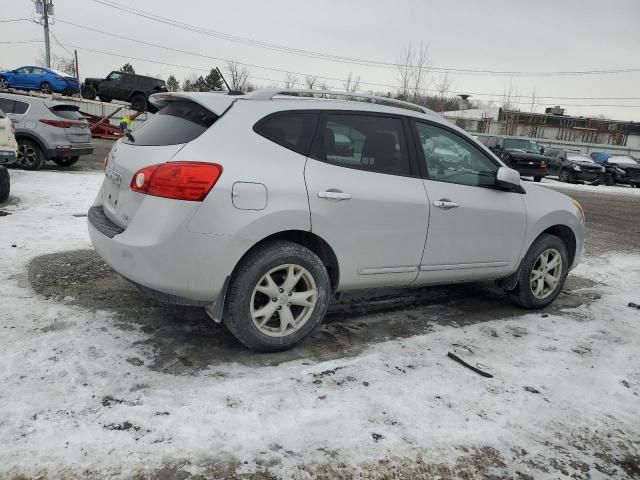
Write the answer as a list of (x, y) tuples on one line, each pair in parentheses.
[(20, 107), (372, 143), (24, 70), (37, 71), (115, 76), (6, 105), (453, 159), (180, 121), (292, 130)]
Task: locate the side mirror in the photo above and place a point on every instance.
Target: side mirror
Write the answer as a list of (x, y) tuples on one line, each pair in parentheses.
[(509, 179)]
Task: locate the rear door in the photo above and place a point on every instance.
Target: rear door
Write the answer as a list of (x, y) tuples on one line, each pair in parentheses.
[(366, 198), (475, 230)]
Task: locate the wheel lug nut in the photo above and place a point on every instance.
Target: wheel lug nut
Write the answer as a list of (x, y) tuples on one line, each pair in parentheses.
[(280, 307), (274, 299), (281, 290), (290, 294), (288, 304)]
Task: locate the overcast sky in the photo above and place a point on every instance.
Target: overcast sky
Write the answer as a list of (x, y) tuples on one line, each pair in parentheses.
[(497, 35)]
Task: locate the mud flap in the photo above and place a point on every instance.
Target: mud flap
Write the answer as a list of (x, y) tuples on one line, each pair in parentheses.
[(510, 282), (216, 309)]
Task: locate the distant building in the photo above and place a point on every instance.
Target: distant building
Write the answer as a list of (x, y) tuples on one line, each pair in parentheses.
[(551, 125)]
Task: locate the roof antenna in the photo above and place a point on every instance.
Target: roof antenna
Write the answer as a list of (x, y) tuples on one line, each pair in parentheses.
[(231, 92)]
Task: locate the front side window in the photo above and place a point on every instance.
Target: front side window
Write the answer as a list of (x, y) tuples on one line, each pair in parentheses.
[(292, 130), (6, 105), (450, 158), (114, 76), (367, 142), (24, 70)]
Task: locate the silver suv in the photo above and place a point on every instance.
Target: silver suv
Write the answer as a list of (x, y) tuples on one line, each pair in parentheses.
[(260, 207), (46, 130)]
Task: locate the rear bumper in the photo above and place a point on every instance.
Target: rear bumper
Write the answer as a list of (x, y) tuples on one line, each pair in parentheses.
[(162, 258), (71, 151), (7, 157)]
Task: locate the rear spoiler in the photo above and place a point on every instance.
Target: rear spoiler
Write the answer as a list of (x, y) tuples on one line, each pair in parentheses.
[(216, 102)]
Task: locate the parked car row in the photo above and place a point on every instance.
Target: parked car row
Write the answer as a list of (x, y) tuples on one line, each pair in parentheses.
[(46, 130), (532, 160)]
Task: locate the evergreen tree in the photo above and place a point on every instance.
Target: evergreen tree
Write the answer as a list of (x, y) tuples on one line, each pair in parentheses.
[(200, 85), (214, 81), (127, 68), (172, 84), (187, 86)]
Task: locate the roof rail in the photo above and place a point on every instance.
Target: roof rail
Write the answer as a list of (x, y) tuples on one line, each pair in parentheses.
[(270, 93)]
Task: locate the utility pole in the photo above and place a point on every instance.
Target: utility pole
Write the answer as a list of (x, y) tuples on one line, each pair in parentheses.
[(45, 8), (75, 52)]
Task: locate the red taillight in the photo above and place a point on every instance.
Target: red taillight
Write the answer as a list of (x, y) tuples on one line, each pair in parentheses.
[(179, 180), (60, 123)]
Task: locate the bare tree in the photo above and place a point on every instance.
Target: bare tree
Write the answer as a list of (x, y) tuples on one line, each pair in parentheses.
[(510, 97), (290, 81), (64, 64), (324, 86), (310, 81), (413, 71), (352, 83), (443, 87), (238, 75)]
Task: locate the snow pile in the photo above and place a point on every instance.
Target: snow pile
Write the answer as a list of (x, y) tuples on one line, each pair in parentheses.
[(76, 397)]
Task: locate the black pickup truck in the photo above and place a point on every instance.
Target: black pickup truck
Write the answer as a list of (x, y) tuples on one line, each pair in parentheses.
[(521, 154), (127, 87)]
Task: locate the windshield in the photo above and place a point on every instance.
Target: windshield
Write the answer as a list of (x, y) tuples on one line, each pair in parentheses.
[(623, 160), (521, 144), (580, 158)]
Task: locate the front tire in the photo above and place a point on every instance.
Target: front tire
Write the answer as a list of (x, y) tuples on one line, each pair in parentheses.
[(67, 161), (4, 83), (5, 184), (566, 176), (138, 103), (278, 294), (543, 272), (537, 179), (88, 92), (30, 155)]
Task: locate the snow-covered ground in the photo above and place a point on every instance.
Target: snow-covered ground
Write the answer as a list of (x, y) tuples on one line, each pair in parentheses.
[(602, 189), (77, 399)]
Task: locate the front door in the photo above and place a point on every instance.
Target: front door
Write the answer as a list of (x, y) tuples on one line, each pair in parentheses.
[(366, 198), (475, 230)]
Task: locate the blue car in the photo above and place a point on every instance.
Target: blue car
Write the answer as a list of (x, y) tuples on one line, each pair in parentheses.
[(46, 80)]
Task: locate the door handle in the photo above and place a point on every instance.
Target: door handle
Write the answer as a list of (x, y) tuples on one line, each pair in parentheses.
[(445, 204), (329, 195)]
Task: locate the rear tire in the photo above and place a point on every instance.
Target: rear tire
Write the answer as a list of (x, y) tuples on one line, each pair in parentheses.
[(138, 103), (88, 92), (104, 99), (30, 155), (66, 162), (46, 88), (5, 184), (539, 285), (537, 179), (266, 308)]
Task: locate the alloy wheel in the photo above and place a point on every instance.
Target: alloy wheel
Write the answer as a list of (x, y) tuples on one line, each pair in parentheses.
[(45, 88), (4, 83), (564, 176), (27, 156), (546, 273), (283, 300)]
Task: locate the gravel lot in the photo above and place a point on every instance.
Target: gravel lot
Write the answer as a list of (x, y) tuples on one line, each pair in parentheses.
[(103, 382)]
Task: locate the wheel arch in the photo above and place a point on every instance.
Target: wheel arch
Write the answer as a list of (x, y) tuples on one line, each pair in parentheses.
[(310, 240), (29, 136), (138, 92), (567, 235)]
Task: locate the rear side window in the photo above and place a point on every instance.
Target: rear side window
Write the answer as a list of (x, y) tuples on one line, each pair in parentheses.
[(181, 121), (292, 130), (13, 106), (367, 142)]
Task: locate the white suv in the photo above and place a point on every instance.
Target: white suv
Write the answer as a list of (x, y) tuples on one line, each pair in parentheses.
[(260, 207), (8, 153)]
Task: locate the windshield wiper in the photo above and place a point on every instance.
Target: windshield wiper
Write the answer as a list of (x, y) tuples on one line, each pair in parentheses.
[(130, 137)]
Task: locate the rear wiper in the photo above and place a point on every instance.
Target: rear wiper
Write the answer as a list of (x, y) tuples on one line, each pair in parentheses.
[(130, 137)]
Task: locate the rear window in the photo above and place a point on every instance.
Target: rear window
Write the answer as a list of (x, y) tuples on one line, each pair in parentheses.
[(292, 130), (68, 112), (13, 106), (181, 121)]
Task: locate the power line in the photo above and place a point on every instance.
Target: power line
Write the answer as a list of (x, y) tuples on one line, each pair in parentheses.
[(14, 20), (383, 85), (22, 41), (343, 59), (191, 67)]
